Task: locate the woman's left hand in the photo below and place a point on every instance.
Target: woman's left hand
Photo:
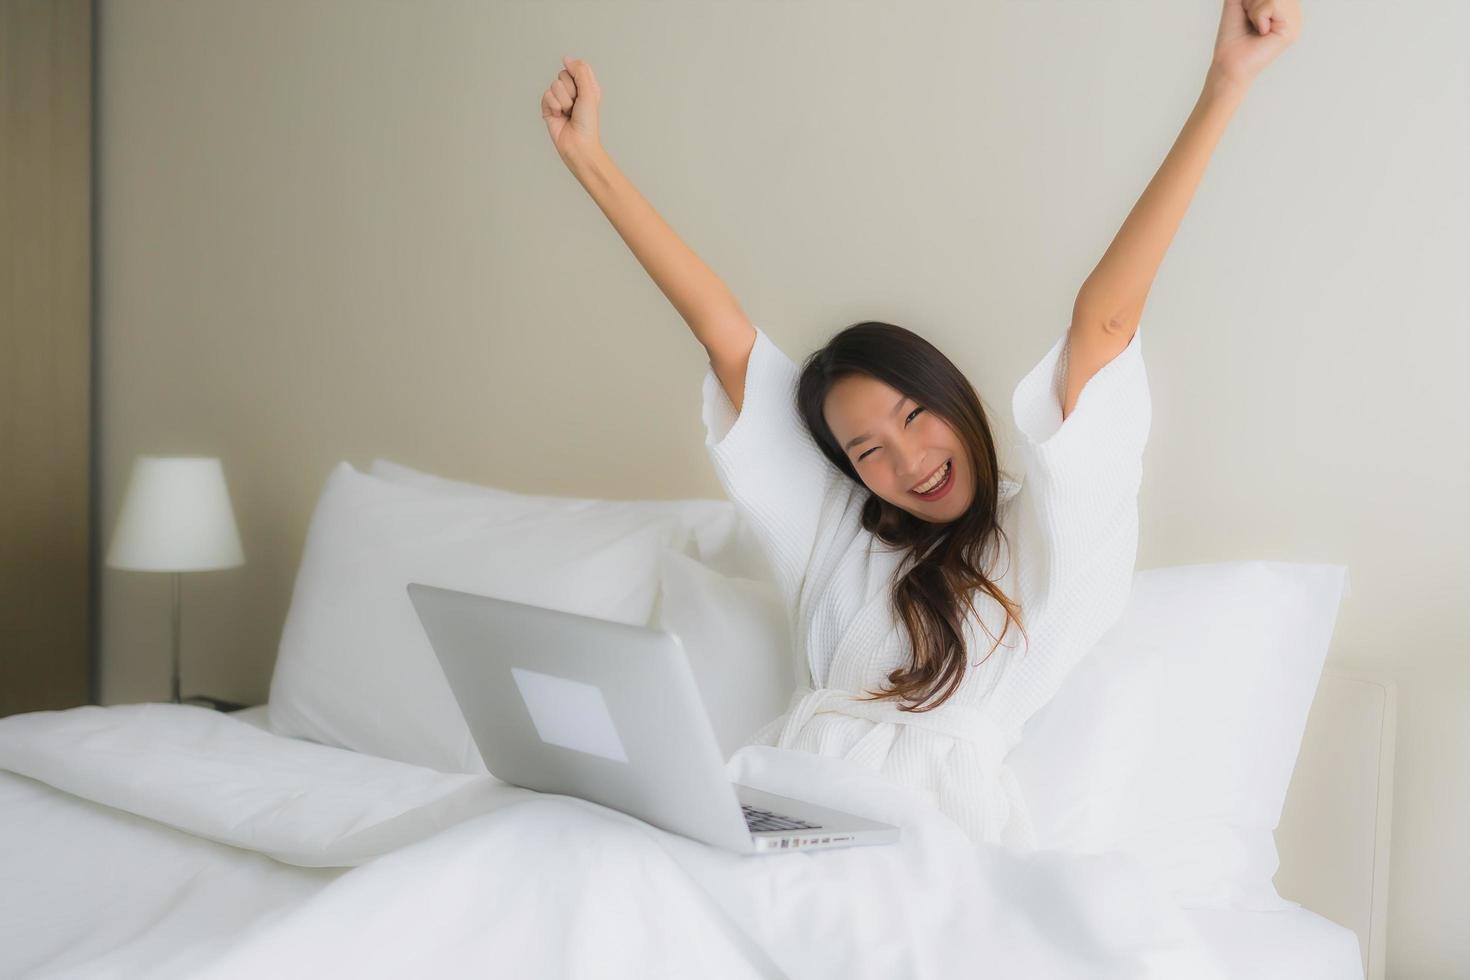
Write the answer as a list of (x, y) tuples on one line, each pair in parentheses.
[(1252, 33)]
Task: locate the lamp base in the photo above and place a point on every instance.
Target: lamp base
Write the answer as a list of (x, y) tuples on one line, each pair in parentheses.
[(203, 701)]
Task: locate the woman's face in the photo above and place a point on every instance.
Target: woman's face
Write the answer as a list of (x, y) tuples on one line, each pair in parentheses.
[(897, 445)]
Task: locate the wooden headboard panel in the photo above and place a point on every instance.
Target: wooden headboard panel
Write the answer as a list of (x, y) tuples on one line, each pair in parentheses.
[(1334, 832)]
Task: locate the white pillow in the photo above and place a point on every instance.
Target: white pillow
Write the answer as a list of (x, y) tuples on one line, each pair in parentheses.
[(1080, 754), (721, 539), (355, 668), (1243, 644), (737, 634)]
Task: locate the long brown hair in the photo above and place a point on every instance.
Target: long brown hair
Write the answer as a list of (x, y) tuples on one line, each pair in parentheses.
[(936, 594)]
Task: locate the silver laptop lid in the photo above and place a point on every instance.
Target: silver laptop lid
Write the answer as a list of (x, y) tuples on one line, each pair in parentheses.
[(606, 711)]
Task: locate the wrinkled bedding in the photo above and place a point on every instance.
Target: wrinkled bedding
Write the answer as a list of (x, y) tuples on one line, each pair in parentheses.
[(90, 891), (246, 853)]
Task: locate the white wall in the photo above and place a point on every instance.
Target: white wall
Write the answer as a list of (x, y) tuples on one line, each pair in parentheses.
[(337, 230)]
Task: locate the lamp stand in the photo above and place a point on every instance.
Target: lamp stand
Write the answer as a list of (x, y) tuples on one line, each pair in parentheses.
[(177, 699), (201, 700)]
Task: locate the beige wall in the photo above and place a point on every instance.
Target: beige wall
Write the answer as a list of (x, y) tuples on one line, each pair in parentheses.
[(337, 230)]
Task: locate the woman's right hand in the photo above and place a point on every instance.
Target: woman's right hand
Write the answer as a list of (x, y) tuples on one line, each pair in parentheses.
[(569, 109)]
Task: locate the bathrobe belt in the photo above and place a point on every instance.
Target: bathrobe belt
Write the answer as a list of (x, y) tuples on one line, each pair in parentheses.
[(1001, 816)]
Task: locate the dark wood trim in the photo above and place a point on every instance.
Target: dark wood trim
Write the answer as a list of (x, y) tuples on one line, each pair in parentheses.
[(47, 591)]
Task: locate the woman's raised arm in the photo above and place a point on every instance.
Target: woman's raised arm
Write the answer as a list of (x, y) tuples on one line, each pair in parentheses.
[(1251, 34), (570, 109)]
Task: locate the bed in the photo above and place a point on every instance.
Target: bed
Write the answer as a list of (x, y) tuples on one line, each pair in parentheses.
[(98, 891), (171, 840)]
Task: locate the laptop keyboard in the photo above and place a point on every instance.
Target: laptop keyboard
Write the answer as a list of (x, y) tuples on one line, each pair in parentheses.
[(758, 819)]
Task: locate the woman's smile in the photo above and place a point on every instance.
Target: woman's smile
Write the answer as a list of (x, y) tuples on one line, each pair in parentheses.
[(938, 483)]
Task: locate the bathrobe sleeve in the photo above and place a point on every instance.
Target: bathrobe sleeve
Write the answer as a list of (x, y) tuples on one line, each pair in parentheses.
[(768, 463), (1078, 511)]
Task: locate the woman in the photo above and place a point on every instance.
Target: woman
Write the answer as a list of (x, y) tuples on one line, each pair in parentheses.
[(869, 476)]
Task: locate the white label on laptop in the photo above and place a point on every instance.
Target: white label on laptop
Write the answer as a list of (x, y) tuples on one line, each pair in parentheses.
[(569, 713)]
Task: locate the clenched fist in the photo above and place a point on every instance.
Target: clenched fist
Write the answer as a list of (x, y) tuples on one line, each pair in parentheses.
[(1252, 33), (569, 109)]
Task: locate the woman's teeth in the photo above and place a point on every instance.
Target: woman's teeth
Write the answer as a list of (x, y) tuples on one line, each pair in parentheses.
[(936, 480)]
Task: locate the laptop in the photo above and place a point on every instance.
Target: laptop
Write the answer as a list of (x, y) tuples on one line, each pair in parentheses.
[(610, 712)]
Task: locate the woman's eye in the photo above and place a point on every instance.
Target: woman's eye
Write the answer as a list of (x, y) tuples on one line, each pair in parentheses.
[(906, 422)]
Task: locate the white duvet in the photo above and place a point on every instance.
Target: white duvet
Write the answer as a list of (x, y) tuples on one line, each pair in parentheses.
[(458, 875)]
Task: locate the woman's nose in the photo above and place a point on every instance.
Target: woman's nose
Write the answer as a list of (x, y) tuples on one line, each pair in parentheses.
[(910, 458)]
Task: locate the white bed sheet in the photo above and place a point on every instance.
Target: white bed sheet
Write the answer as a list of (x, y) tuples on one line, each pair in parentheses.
[(1291, 944), (88, 890), (108, 893)]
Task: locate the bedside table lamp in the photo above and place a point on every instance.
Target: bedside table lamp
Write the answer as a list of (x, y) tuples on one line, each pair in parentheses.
[(176, 517)]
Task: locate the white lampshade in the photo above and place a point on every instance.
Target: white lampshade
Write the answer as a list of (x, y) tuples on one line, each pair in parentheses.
[(176, 517)]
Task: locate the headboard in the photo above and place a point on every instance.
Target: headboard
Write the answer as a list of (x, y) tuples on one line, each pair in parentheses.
[(1334, 833)]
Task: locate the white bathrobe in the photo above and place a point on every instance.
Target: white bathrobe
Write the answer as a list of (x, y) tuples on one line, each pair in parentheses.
[(1072, 523)]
